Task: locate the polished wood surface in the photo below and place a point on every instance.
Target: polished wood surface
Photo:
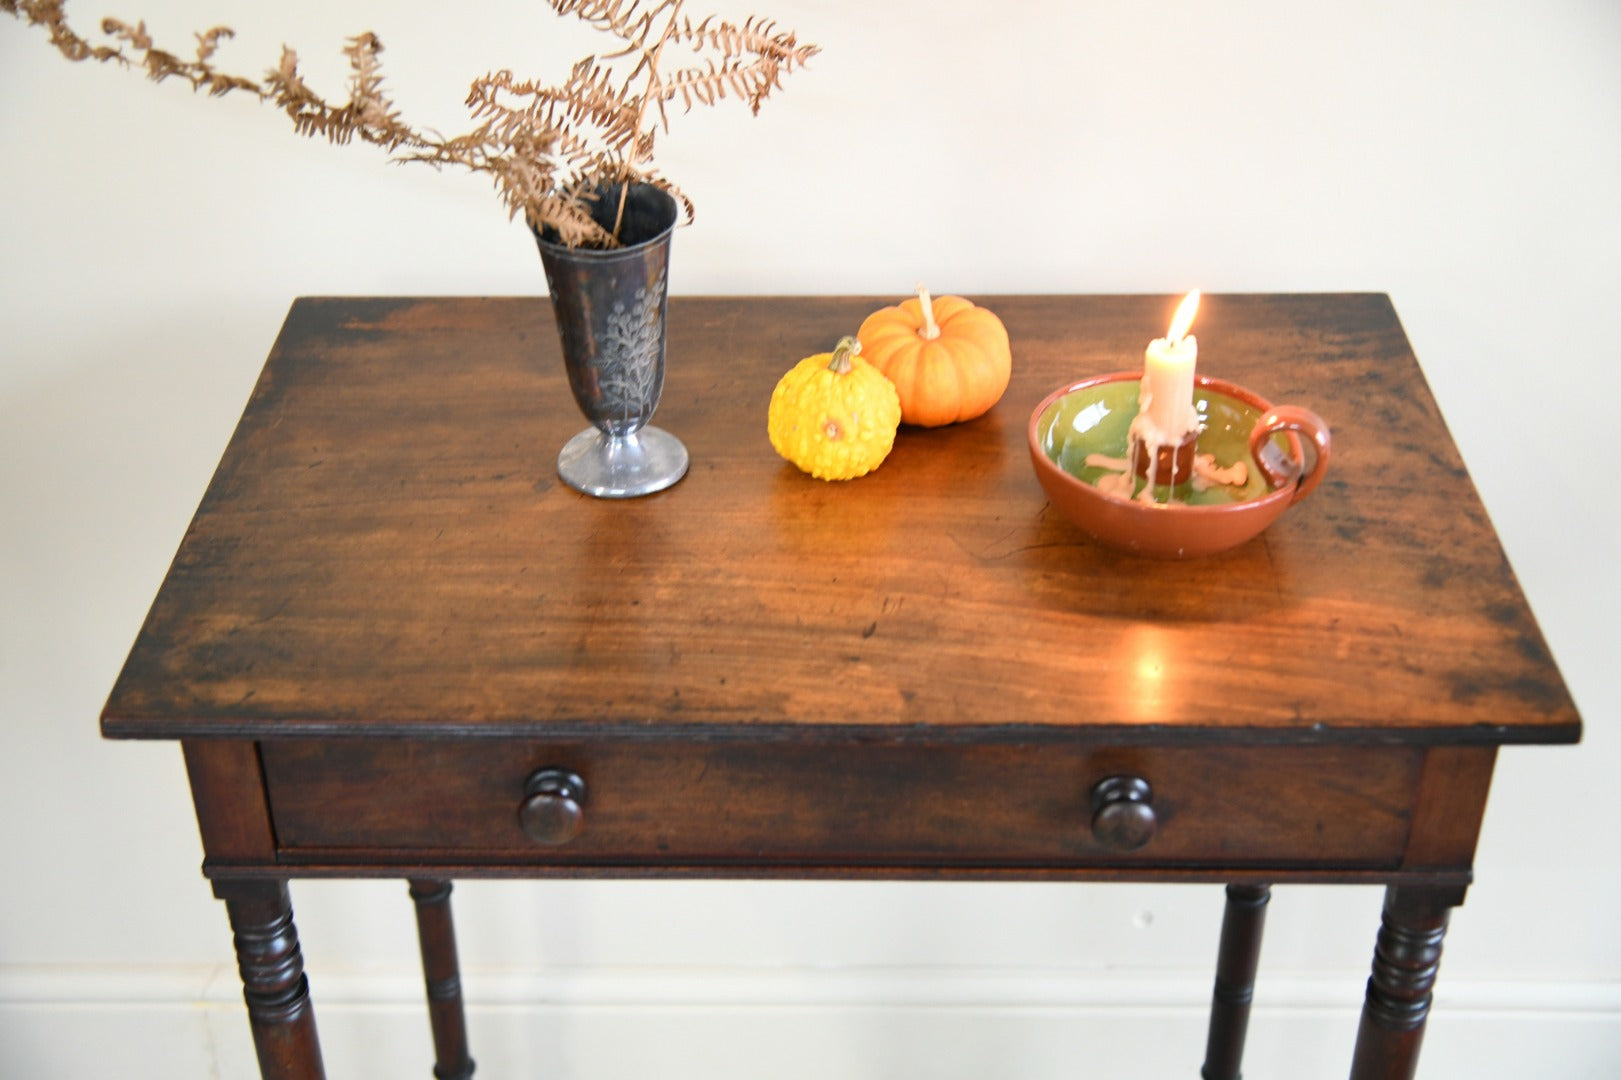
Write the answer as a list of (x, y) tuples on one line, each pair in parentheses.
[(385, 549), (393, 644)]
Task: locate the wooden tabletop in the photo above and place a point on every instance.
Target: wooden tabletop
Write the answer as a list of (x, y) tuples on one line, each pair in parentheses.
[(386, 550)]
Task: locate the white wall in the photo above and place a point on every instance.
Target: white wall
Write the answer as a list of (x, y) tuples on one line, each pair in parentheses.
[(1463, 156)]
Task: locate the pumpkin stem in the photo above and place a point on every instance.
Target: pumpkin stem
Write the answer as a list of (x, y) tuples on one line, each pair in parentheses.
[(842, 352), (931, 329)]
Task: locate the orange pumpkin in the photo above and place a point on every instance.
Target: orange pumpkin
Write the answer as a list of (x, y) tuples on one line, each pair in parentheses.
[(948, 359)]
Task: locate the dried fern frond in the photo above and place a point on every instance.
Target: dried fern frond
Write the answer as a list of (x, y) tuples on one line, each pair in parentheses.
[(48, 14), (775, 54), (208, 41), (547, 148), (755, 36), (629, 22), (752, 82), (588, 100)]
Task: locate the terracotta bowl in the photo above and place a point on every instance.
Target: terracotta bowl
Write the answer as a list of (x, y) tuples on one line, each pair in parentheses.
[(1093, 415)]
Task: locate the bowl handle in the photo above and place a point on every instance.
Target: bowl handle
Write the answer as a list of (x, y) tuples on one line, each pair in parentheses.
[(1281, 467)]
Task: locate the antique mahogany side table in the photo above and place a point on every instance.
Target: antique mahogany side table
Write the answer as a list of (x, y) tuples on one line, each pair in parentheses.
[(393, 644)]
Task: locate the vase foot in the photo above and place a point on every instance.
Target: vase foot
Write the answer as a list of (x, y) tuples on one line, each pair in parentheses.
[(622, 466)]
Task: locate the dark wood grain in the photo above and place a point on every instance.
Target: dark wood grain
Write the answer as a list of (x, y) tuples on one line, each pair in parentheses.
[(1451, 803), (1237, 960), (274, 987), (388, 618), (227, 790), (373, 863), (385, 549), (1406, 960), (441, 972), (673, 803)]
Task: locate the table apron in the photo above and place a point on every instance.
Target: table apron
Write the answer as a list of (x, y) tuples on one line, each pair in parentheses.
[(680, 808)]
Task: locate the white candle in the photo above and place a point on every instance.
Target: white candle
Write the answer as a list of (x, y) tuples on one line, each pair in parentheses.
[(1165, 400)]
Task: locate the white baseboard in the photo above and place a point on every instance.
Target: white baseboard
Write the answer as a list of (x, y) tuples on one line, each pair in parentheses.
[(811, 1024)]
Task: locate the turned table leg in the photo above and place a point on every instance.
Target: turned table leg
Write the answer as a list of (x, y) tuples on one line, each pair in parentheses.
[(1236, 962), (1405, 962), (273, 983), (441, 971)]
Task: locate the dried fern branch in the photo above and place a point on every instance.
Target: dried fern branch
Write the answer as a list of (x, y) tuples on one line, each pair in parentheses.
[(549, 149)]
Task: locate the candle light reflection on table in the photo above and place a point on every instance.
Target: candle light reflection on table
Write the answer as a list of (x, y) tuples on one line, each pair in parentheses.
[(1148, 654)]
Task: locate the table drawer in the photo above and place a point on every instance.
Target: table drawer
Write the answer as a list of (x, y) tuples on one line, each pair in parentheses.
[(654, 804), (662, 803)]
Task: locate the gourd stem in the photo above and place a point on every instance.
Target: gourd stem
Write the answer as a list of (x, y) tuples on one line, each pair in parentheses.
[(842, 352), (931, 329)]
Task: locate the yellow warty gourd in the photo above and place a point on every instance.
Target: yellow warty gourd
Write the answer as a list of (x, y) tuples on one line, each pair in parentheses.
[(834, 415)]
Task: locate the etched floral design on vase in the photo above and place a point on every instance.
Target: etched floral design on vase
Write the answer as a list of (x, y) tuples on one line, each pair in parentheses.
[(610, 310), (630, 371)]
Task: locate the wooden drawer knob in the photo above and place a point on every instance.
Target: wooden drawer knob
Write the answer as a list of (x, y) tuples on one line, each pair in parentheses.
[(1123, 813), (553, 808)]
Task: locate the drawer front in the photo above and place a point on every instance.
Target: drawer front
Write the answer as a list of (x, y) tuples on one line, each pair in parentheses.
[(667, 805)]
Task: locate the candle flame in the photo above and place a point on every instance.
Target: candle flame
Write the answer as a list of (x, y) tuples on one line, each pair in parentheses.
[(1184, 316)]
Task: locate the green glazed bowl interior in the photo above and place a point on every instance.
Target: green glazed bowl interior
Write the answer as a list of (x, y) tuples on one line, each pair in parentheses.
[(1093, 416), (1095, 420)]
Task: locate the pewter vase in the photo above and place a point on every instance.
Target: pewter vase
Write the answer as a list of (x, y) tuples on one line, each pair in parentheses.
[(610, 309)]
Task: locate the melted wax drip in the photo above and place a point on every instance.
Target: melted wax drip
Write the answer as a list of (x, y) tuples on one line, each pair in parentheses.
[(1120, 480)]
